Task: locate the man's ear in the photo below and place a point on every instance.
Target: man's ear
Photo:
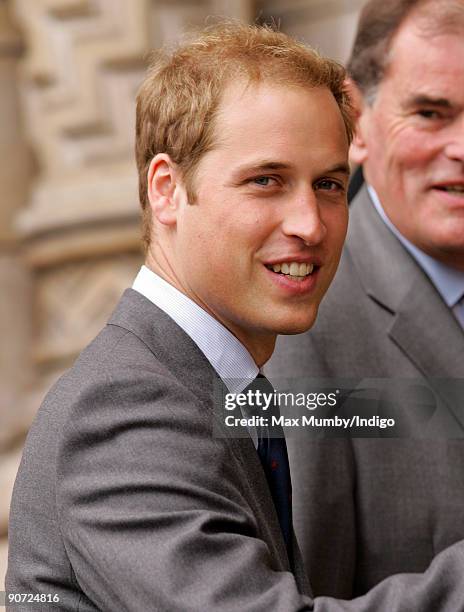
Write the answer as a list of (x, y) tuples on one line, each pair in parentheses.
[(358, 152), (164, 187)]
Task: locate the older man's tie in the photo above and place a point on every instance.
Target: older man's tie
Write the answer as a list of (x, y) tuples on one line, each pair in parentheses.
[(272, 451)]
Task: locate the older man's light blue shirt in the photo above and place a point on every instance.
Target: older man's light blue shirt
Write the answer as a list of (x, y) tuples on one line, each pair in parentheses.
[(448, 281)]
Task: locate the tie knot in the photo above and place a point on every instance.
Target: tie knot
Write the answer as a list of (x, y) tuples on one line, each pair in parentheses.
[(262, 395), (261, 383)]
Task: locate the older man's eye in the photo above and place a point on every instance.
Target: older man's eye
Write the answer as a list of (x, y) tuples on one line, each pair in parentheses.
[(428, 113)]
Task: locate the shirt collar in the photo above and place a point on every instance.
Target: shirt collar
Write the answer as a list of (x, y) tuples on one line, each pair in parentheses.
[(226, 354), (448, 281)]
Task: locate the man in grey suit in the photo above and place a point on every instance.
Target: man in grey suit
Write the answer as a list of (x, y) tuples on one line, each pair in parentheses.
[(393, 319), (125, 500)]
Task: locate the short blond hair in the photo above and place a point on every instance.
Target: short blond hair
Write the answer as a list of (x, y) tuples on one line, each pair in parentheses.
[(179, 98)]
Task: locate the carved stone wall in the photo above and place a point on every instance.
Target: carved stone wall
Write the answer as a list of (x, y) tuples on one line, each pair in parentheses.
[(327, 25), (84, 62), (69, 226), (15, 299)]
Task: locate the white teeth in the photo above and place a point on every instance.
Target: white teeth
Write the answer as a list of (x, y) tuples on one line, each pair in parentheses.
[(294, 269), (458, 188), (453, 188), (297, 271)]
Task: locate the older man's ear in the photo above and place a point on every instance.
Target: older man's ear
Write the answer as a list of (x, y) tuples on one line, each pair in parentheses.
[(357, 149)]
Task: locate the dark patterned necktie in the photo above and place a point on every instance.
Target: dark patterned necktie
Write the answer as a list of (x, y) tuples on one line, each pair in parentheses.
[(272, 451)]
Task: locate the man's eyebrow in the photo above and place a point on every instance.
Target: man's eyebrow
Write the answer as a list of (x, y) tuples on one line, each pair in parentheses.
[(424, 100), (262, 166), (273, 165), (342, 168)]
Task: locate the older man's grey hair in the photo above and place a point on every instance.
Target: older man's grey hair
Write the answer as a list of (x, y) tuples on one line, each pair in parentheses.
[(378, 24)]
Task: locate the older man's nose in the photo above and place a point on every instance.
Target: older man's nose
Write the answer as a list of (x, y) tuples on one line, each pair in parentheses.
[(455, 148)]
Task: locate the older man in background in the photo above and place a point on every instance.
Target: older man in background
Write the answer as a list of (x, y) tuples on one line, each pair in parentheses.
[(393, 319)]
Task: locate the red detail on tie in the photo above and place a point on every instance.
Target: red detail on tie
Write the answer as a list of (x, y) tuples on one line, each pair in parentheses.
[(274, 464)]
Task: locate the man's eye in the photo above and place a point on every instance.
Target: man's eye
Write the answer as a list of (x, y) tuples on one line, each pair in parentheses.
[(328, 185), (264, 181), (428, 113)]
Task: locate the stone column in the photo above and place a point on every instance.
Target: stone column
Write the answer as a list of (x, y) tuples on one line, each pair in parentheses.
[(15, 294), (80, 228)]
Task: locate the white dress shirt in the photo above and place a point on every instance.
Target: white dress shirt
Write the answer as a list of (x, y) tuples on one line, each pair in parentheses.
[(230, 359), (226, 354)]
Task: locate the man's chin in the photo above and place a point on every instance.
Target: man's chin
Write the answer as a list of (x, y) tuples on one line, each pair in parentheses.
[(295, 332), (297, 326)]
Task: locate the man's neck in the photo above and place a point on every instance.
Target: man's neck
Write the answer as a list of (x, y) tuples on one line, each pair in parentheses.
[(260, 345)]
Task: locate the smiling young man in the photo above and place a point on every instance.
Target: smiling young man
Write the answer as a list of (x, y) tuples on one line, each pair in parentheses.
[(261, 244), (125, 500)]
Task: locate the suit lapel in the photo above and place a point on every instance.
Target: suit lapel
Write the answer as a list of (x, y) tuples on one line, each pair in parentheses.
[(421, 325), (167, 341)]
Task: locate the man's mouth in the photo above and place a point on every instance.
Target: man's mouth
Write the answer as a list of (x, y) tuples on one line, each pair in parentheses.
[(293, 270), (451, 188)]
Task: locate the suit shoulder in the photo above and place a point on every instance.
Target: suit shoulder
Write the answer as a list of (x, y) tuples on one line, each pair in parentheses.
[(117, 375)]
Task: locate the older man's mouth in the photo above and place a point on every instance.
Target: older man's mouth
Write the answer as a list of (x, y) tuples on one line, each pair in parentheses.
[(453, 188)]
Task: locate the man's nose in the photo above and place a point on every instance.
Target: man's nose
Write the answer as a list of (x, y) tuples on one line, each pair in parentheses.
[(303, 219), (455, 147)]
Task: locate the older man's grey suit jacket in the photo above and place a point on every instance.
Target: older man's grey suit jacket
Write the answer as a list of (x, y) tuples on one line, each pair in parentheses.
[(126, 501), (368, 508)]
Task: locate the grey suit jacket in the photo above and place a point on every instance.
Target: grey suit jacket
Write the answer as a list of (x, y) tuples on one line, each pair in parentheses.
[(126, 501), (368, 508)]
